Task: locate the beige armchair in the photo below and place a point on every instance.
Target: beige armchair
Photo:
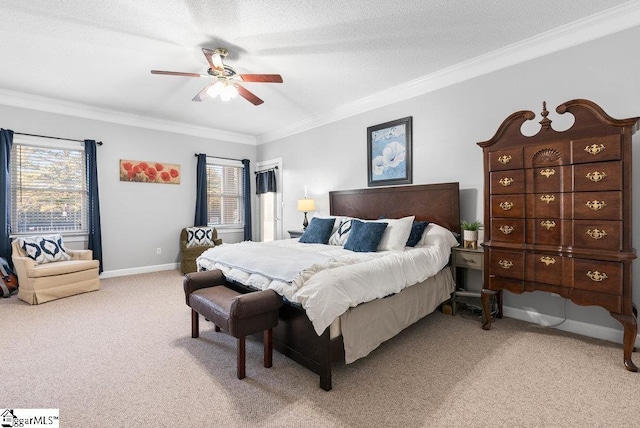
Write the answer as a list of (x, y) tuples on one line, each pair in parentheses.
[(40, 283), (189, 252)]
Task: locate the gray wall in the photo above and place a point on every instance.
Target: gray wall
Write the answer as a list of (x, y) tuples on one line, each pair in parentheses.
[(137, 218), (449, 122)]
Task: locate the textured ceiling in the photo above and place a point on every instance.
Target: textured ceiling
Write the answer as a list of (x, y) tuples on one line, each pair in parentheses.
[(329, 53)]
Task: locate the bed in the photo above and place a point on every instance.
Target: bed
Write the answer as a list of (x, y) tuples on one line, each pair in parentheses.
[(362, 328)]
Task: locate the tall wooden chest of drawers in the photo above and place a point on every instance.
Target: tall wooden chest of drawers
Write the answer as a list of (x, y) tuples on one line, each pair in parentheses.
[(558, 212)]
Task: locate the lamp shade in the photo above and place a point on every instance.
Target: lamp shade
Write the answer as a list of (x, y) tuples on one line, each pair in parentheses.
[(306, 205)]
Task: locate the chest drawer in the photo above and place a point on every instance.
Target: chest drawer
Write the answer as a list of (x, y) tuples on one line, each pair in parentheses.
[(548, 154), (506, 264), (509, 181), (511, 230), (598, 276), (604, 234), (597, 205), (505, 159), (550, 205), (599, 176), (507, 206), (551, 179), (547, 231), (547, 268), (596, 149)]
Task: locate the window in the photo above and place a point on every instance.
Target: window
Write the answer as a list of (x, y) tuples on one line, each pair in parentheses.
[(225, 192), (48, 187)]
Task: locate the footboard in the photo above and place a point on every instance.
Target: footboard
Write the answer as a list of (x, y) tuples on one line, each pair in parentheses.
[(295, 337)]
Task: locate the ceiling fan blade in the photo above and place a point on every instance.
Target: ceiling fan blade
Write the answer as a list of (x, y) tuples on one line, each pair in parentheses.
[(249, 96), (265, 78), (203, 93), (214, 59), (178, 73)]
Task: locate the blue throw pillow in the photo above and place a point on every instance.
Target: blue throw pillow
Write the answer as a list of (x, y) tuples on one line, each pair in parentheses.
[(417, 229), (364, 236), (318, 231)]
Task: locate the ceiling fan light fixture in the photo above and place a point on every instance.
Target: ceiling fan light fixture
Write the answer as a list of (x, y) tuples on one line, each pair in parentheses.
[(216, 89), (231, 90)]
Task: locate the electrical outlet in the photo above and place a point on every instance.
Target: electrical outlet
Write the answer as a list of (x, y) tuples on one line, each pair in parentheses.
[(158, 250)]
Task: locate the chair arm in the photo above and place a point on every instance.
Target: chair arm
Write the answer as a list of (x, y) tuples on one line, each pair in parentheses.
[(80, 254), (217, 241), (204, 279), (22, 265), (254, 303)]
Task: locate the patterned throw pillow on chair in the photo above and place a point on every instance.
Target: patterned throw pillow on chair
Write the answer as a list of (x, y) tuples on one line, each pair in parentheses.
[(199, 236), (44, 249)]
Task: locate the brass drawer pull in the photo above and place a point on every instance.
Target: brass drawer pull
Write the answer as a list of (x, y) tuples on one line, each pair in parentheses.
[(547, 198), (597, 276), (596, 233), (506, 205), (548, 260), (548, 224), (504, 159), (596, 205), (470, 261), (596, 176), (506, 229), (594, 149), (505, 264), (548, 172), (507, 181)]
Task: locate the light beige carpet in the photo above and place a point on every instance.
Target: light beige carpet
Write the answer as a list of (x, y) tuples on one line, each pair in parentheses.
[(123, 357)]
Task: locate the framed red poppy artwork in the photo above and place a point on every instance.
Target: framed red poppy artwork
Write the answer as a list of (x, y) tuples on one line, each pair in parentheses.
[(149, 172)]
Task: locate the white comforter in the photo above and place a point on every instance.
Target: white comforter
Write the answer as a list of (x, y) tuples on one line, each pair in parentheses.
[(333, 280)]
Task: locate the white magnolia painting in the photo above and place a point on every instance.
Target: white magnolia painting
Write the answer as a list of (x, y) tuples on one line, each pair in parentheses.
[(390, 153)]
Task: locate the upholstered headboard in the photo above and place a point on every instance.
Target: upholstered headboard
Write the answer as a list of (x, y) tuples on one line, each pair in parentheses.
[(438, 203)]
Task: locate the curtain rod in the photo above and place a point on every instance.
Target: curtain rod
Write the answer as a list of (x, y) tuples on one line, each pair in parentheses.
[(219, 157), (265, 170), (54, 138)]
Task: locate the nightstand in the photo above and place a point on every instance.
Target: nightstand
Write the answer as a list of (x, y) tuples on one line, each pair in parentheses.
[(465, 258), (295, 233)]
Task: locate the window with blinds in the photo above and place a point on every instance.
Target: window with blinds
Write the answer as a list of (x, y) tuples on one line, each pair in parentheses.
[(225, 193), (48, 187)]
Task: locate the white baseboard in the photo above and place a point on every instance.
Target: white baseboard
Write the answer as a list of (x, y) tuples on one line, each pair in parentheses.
[(135, 271), (578, 327)]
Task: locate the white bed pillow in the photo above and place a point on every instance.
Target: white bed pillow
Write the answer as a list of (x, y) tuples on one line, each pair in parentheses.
[(435, 234), (396, 234)]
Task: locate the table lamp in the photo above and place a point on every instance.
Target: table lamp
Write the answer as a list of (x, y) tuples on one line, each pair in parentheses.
[(306, 205)]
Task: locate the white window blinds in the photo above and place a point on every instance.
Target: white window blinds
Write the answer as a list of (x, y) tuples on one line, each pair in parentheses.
[(48, 187), (225, 193)]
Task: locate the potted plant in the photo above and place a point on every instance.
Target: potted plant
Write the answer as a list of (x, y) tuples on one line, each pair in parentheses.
[(470, 233)]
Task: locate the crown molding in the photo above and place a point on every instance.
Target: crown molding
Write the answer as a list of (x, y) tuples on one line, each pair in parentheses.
[(51, 105), (584, 30)]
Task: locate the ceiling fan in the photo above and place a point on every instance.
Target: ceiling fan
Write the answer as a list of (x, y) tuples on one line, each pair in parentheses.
[(226, 81)]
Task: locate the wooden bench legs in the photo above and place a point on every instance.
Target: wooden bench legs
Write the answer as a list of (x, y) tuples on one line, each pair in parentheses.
[(241, 352)]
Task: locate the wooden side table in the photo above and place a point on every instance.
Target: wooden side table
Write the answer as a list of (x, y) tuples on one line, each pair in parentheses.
[(465, 258), (295, 233)]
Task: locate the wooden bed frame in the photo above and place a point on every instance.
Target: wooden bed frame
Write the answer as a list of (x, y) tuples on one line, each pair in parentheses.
[(295, 336)]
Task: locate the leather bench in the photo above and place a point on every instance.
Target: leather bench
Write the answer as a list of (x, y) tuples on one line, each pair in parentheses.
[(236, 313)]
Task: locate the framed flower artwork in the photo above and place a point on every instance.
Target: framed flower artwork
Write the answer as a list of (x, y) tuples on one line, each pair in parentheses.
[(149, 172), (389, 153)]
